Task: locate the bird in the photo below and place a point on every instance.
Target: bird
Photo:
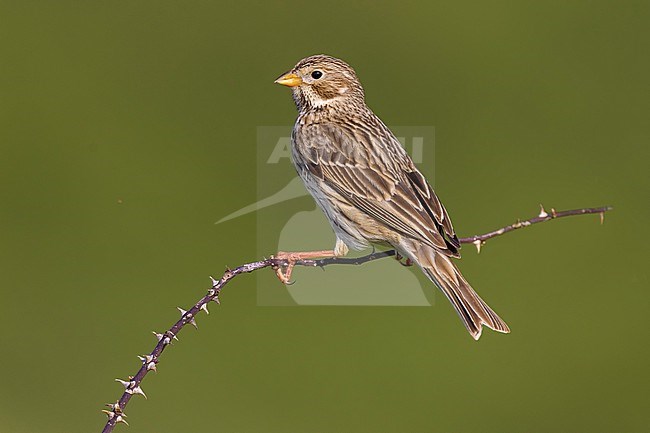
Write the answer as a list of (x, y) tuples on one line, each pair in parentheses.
[(368, 187)]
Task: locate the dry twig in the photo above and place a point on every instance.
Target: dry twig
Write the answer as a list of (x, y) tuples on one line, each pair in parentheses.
[(132, 385)]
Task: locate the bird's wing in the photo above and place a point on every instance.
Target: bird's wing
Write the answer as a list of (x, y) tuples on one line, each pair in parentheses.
[(369, 168)]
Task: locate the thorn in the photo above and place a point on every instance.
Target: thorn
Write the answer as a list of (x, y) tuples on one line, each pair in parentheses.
[(114, 406), (189, 315), (204, 307), (602, 218), (109, 413), (542, 212), (214, 282), (175, 337), (158, 336), (553, 212), (166, 340), (478, 244), (152, 366), (146, 358), (137, 390), (124, 383), (216, 299), (120, 418)]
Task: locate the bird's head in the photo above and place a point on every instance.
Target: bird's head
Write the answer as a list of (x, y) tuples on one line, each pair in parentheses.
[(321, 81)]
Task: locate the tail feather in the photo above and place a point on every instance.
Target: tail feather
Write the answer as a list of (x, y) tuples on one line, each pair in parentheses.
[(439, 268)]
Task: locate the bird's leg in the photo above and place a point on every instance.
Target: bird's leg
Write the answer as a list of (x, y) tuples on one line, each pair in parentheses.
[(284, 273)]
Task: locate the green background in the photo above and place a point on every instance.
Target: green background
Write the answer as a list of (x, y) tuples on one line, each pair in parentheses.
[(129, 127)]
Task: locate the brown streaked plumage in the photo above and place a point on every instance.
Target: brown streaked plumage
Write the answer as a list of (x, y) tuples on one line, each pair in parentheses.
[(368, 186)]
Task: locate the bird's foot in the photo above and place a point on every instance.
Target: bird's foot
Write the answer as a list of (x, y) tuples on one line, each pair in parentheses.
[(283, 271)]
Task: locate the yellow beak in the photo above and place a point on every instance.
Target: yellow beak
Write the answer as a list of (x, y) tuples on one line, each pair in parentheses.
[(289, 80)]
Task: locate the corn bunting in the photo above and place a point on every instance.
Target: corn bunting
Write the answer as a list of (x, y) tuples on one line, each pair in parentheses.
[(368, 187)]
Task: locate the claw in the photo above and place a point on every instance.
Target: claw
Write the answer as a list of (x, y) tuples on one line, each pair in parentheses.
[(284, 272), (285, 275), (408, 262)]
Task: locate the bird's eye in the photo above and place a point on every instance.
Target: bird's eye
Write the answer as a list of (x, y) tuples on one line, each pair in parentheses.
[(316, 74)]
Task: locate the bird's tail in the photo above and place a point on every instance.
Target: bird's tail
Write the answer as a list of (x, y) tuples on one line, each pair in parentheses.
[(439, 268)]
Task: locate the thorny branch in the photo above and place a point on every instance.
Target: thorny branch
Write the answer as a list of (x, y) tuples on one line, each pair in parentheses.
[(115, 411)]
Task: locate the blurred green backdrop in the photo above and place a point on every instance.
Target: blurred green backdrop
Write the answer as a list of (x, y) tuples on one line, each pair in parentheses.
[(129, 127)]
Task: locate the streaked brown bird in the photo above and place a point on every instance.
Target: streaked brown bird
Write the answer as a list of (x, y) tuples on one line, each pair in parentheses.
[(368, 187)]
